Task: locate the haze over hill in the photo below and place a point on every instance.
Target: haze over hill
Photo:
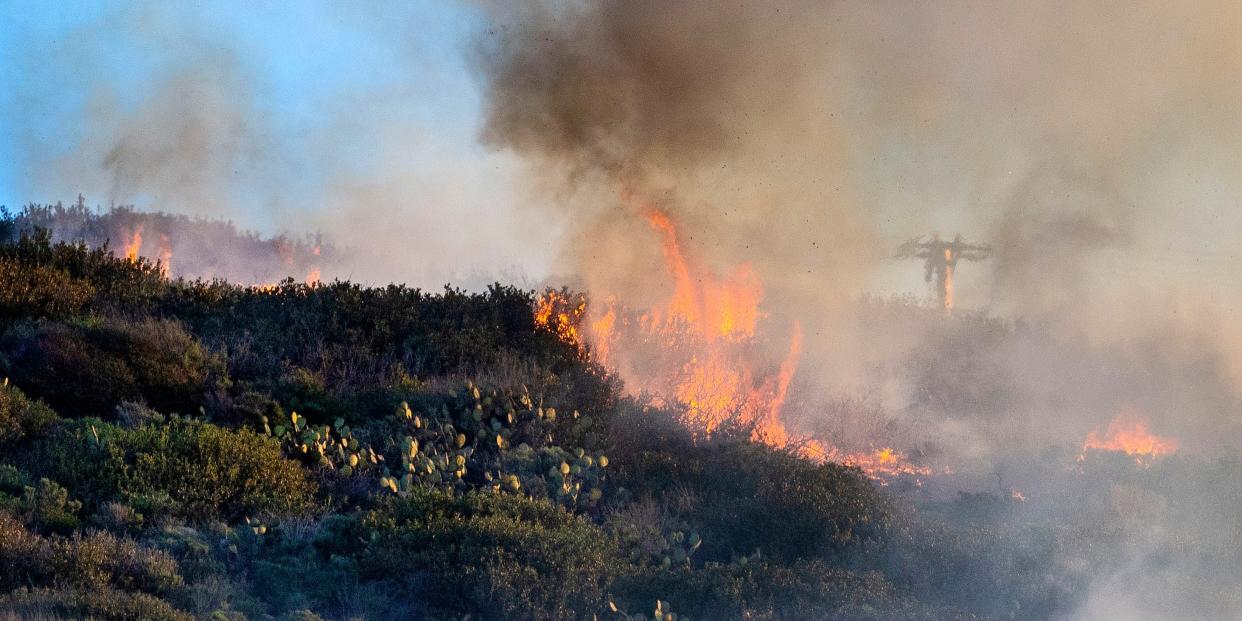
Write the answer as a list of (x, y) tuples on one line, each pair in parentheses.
[(724, 189)]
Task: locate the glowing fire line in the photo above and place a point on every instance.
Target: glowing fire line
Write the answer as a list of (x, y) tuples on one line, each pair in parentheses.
[(1128, 433), (705, 355)]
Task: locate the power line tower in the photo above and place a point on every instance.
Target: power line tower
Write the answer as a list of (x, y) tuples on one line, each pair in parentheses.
[(940, 260)]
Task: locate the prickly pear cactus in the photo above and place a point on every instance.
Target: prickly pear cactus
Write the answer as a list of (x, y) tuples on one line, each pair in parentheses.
[(490, 439)]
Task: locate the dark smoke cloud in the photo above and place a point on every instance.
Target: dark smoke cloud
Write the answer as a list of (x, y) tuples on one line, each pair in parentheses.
[(1054, 224), (1094, 145), (810, 138), (715, 111), (767, 128), (631, 86), (807, 137)]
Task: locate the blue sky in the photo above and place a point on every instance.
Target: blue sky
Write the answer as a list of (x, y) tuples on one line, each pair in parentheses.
[(358, 119), (331, 107), (297, 59)]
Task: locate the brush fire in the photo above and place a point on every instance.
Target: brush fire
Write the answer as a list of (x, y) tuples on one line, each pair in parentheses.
[(132, 244), (1128, 433), (706, 349), (585, 309), (204, 249)]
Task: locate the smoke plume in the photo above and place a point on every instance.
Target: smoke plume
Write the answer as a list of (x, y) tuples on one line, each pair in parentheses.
[(1092, 146), (718, 113), (809, 138), (172, 109)]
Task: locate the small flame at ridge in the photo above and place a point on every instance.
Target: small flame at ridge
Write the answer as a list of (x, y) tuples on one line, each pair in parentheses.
[(1128, 433), (165, 250), (133, 245)]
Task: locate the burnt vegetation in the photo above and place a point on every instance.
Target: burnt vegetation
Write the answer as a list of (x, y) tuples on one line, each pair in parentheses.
[(195, 449)]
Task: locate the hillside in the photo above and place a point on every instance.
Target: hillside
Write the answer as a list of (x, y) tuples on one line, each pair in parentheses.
[(600, 310), (185, 247), (178, 450)]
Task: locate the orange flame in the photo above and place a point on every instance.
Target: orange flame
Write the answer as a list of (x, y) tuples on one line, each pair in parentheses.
[(133, 245), (694, 349), (881, 464), (702, 349), (165, 250), (1128, 433), (948, 280), (284, 250), (711, 322), (312, 277), (602, 329), (771, 428), (555, 310), (727, 308)]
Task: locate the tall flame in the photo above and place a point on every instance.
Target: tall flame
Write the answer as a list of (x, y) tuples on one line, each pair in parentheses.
[(133, 245), (708, 325), (312, 277), (702, 348), (727, 308), (602, 329), (165, 250)]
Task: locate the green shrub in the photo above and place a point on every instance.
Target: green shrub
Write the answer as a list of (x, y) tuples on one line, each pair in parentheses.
[(46, 505), (89, 367), (342, 349), (209, 470), (103, 604), (49, 507), (39, 291), (62, 279), (21, 416), (744, 497), (91, 561), (489, 555), (185, 467), (761, 590), (12, 481), (86, 456)]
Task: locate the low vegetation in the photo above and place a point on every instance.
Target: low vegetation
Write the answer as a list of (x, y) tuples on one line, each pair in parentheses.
[(200, 450)]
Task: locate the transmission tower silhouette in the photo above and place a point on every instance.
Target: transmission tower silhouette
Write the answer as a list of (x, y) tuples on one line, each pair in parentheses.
[(940, 261)]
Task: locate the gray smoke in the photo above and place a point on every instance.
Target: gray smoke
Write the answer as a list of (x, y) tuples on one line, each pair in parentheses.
[(809, 138), (720, 114), (199, 128), (1093, 145)]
